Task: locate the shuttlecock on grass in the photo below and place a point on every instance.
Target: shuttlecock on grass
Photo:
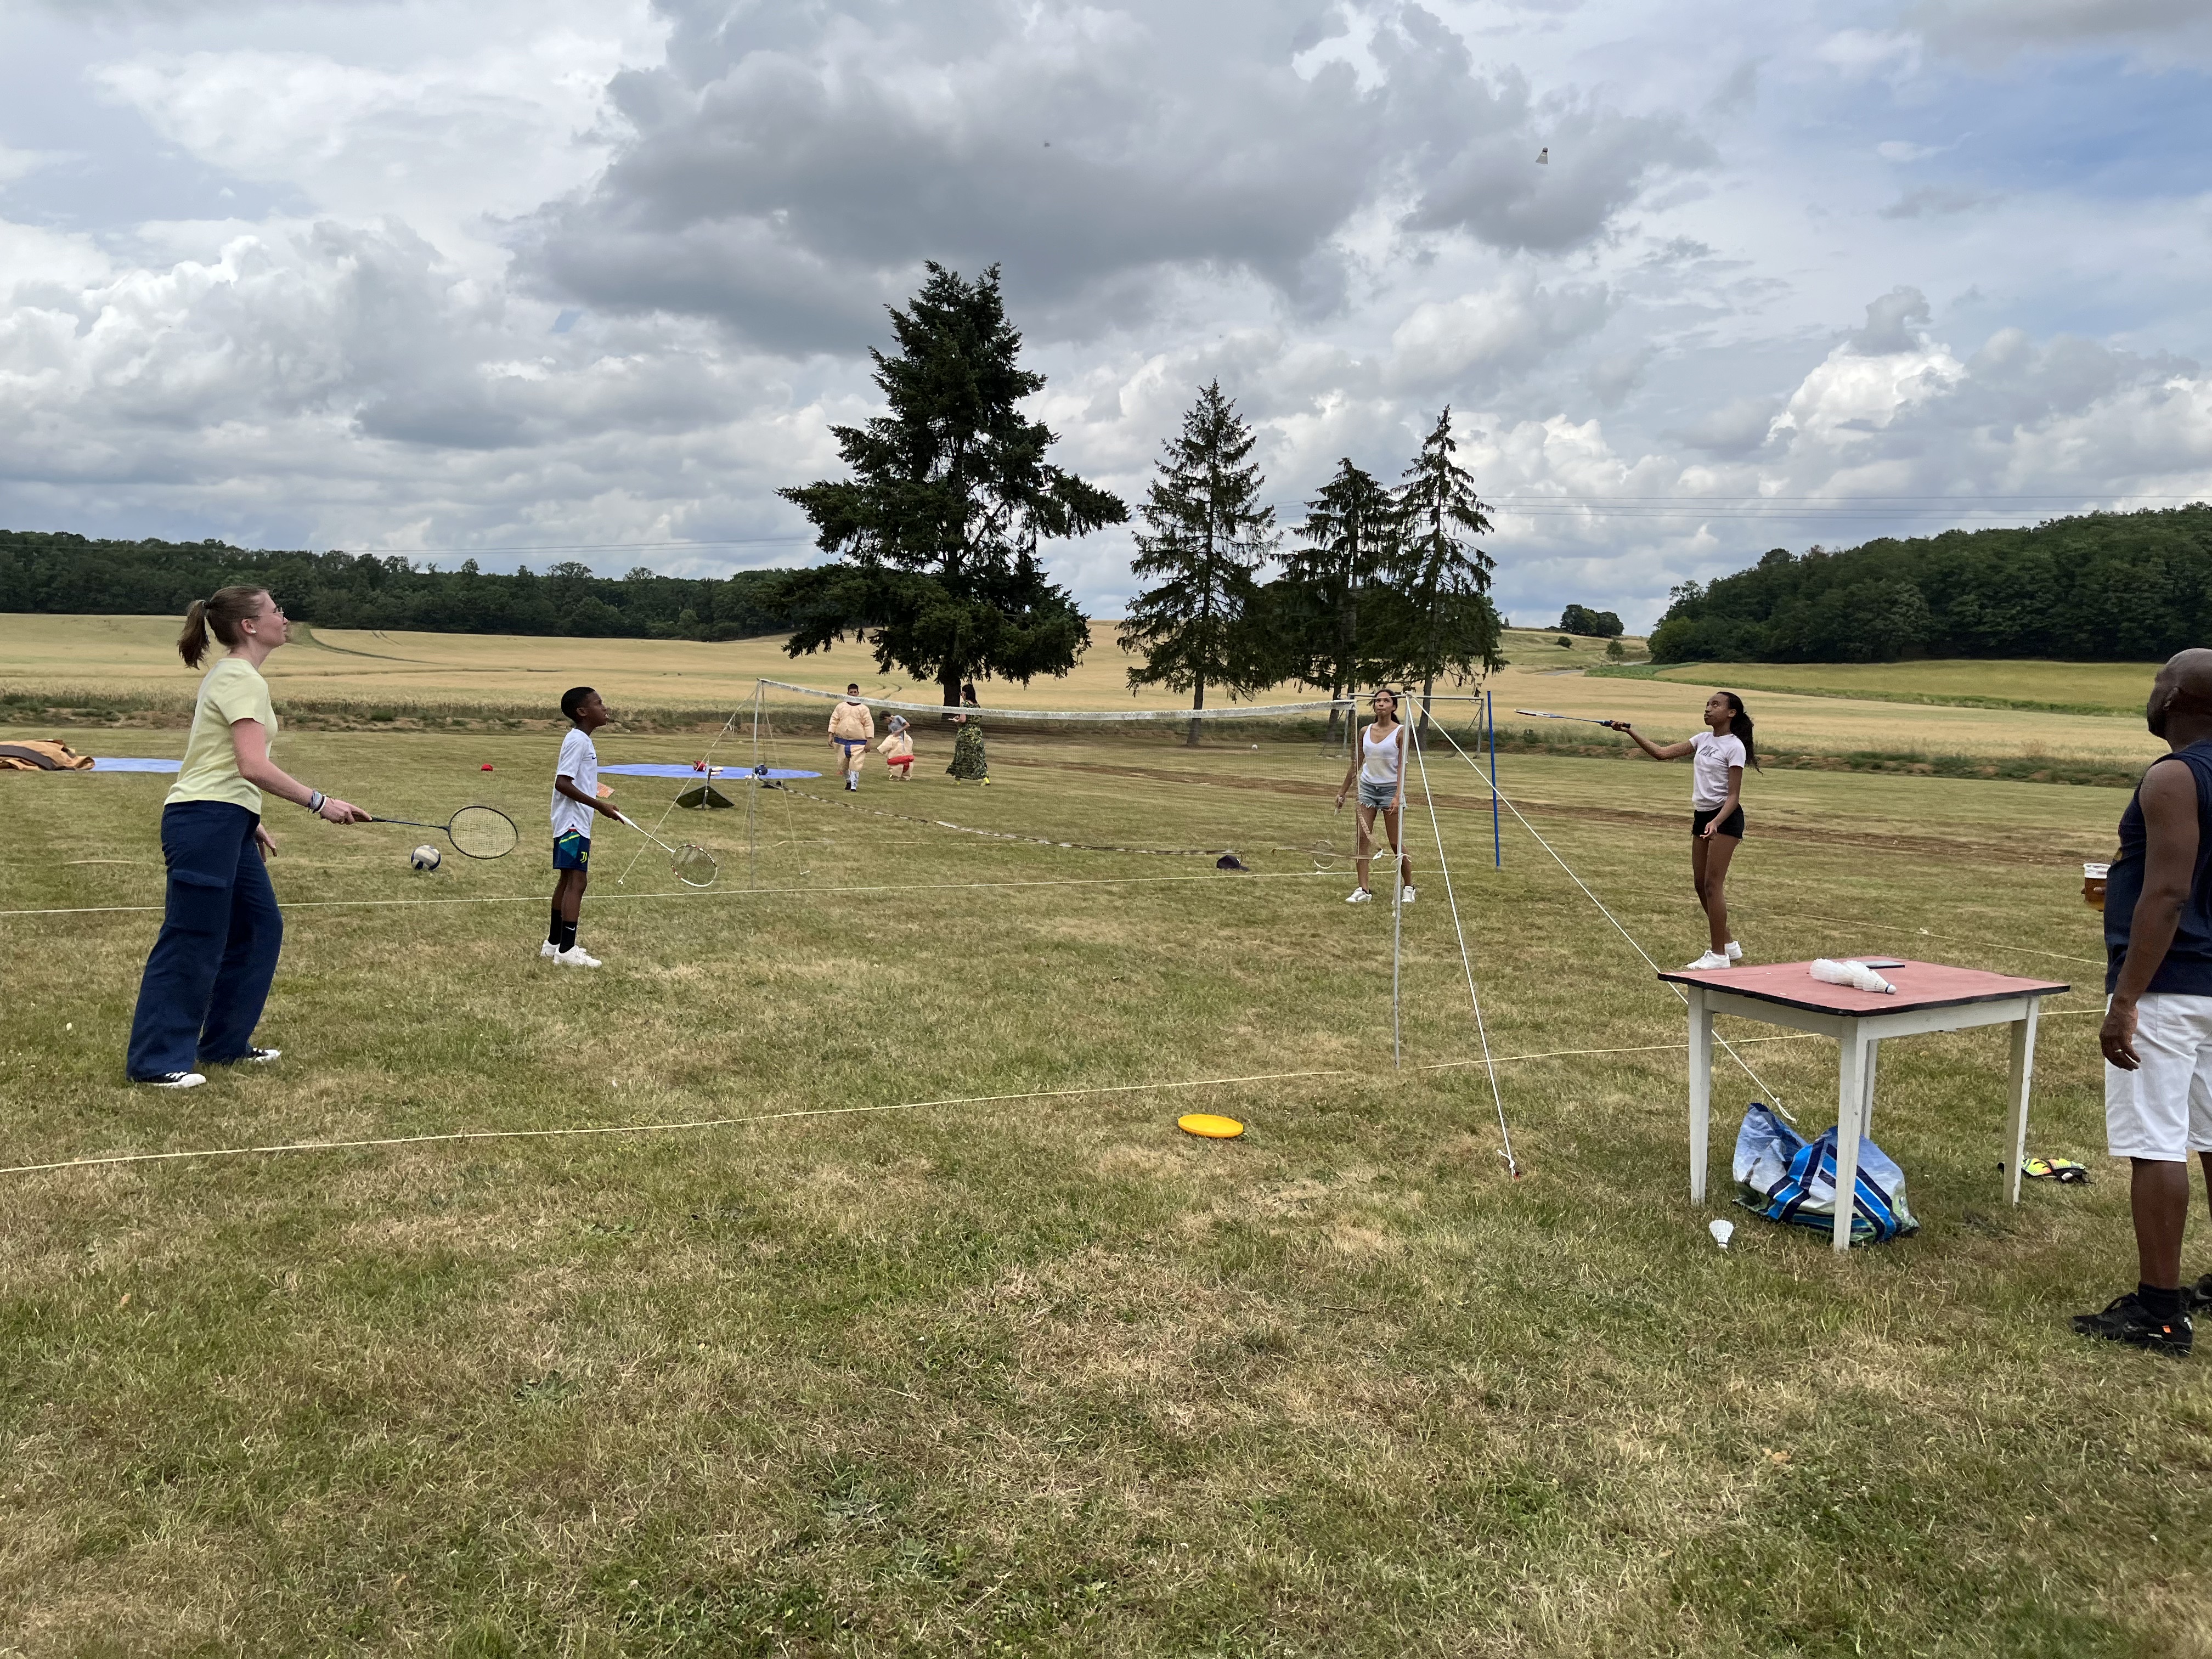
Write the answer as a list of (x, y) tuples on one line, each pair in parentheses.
[(1722, 1231)]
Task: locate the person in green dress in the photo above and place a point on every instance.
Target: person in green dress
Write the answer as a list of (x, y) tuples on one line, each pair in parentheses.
[(969, 764)]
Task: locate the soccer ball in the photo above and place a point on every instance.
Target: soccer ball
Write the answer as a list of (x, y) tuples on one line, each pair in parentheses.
[(425, 858)]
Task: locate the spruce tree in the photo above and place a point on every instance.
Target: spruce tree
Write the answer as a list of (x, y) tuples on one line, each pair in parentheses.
[(1350, 537), (939, 528), (1206, 536), (1440, 579)]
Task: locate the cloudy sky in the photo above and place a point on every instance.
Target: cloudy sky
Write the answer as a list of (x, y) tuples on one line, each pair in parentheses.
[(590, 278)]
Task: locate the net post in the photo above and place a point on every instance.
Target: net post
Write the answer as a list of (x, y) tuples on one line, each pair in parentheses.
[(1497, 834), (752, 801), (1397, 904)]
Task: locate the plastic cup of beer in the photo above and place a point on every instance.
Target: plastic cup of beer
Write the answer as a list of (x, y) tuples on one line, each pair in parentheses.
[(2092, 884)]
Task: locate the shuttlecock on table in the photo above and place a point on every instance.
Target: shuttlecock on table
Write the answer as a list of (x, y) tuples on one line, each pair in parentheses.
[(1857, 975), (1722, 1231)]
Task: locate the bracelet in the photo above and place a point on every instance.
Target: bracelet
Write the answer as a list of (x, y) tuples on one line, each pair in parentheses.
[(315, 800)]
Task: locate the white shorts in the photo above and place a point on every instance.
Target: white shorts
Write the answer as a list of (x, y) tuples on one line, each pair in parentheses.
[(2163, 1111)]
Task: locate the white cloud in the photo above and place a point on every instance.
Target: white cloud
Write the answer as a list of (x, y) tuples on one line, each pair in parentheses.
[(409, 277), (365, 145), (1860, 53)]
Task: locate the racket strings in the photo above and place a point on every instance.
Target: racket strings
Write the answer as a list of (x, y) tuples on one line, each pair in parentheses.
[(693, 866), (483, 832)]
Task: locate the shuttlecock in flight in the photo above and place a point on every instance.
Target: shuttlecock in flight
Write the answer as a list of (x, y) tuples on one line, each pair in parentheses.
[(1544, 156)]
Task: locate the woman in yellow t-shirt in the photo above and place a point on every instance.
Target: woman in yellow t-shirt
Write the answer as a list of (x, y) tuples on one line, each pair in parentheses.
[(208, 976)]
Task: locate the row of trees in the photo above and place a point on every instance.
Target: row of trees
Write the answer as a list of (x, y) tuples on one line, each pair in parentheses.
[(48, 572), (1381, 583), (1591, 624), (937, 533), (2106, 586)]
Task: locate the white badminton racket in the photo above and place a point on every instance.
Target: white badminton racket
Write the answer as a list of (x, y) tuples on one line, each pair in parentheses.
[(693, 866), (1547, 715)]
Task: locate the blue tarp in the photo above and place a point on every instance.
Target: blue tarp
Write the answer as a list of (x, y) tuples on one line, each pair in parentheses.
[(104, 764)]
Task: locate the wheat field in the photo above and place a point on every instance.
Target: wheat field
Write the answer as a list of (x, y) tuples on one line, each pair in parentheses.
[(129, 661)]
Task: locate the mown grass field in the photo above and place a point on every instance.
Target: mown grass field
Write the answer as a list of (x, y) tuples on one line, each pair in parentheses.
[(125, 670), (1040, 1374), (2107, 688)]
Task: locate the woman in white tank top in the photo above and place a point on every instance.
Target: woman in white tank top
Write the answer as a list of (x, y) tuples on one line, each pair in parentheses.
[(1378, 767)]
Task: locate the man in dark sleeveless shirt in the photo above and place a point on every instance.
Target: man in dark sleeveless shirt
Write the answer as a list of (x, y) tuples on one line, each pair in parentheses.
[(2157, 1035)]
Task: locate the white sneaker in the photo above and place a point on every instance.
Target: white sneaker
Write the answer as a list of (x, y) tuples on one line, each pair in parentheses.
[(1735, 952), (574, 957), (1710, 959), (548, 951), (1404, 896), (1359, 896), (260, 1056), (173, 1080)]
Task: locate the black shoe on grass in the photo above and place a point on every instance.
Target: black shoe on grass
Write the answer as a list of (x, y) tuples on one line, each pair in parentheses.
[(2126, 1320), (2197, 1298)]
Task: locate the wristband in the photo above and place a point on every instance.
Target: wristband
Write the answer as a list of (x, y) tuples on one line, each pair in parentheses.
[(315, 800)]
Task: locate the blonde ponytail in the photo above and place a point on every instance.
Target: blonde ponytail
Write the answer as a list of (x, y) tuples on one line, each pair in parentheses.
[(223, 613)]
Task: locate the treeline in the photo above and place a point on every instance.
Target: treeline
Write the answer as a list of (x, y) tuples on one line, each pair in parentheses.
[(2107, 588), (58, 573)]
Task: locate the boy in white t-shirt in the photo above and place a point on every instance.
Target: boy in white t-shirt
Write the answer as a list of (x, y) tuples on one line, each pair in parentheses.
[(575, 801)]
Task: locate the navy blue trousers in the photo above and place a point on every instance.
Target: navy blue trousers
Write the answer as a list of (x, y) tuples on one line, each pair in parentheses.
[(209, 975)]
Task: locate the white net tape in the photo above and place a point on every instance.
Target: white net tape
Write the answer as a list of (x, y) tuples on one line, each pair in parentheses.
[(1232, 711)]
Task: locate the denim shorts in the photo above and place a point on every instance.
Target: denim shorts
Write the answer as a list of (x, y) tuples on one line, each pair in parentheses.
[(1380, 796)]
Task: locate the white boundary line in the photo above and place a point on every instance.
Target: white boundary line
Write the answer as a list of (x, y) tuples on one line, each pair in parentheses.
[(674, 1125), (700, 896)]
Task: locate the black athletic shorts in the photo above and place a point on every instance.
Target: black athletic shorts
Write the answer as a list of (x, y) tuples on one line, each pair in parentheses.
[(1731, 825)]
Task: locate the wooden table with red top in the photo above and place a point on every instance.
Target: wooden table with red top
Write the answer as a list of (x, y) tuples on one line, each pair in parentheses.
[(1930, 997)]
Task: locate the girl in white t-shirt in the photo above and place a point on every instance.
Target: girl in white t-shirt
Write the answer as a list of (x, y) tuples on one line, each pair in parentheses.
[(1718, 757)]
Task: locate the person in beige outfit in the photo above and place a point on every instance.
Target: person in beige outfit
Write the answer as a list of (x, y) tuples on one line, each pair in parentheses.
[(852, 729), (897, 750)]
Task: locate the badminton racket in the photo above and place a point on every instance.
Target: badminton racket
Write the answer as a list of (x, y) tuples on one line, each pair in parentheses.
[(693, 867), (476, 832), (1547, 715)]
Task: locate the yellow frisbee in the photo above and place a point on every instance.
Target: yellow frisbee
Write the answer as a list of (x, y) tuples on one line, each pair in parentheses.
[(1212, 1127)]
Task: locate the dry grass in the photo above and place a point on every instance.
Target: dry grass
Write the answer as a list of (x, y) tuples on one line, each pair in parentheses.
[(2111, 688), (1044, 1374), (136, 656), (124, 671)]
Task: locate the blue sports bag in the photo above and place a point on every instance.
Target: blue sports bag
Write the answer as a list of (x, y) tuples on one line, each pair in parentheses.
[(1786, 1178)]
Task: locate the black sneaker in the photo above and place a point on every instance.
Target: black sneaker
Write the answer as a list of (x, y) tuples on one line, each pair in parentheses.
[(2126, 1320), (251, 1057), (171, 1080)]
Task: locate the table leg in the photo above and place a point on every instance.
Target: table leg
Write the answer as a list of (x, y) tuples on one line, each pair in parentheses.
[(1701, 1089), (2023, 1073), (1850, 1101), (1866, 1107)]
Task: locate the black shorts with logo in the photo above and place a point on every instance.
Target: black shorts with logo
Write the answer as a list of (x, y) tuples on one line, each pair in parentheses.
[(1731, 825)]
